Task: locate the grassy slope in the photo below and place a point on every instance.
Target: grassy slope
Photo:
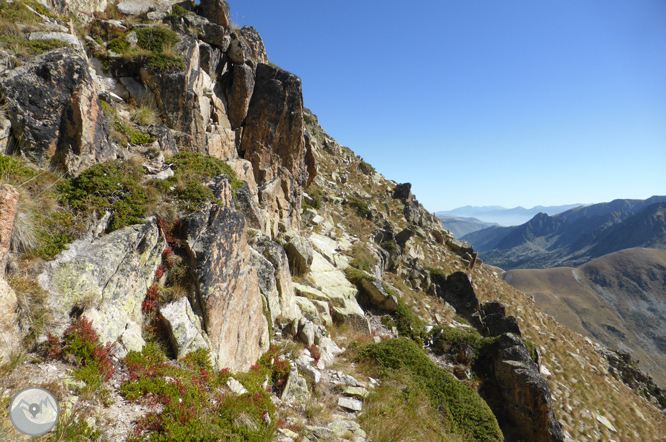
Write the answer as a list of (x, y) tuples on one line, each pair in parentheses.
[(613, 311)]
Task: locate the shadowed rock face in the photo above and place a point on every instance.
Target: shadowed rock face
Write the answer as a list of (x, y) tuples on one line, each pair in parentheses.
[(273, 141), (457, 290), (520, 392), (55, 113), (228, 291)]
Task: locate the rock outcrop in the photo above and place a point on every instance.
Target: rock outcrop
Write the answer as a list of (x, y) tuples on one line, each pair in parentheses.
[(104, 278), (227, 288), (519, 396), (273, 142), (9, 330), (55, 114)]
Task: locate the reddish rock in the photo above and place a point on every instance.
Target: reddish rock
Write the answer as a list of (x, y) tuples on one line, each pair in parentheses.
[(8, 205), (255, 43), (227, 287), (273, 141), (216, 11), (240, 92)]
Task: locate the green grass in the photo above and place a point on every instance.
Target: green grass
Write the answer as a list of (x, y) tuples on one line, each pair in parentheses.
[(362, 258), (467, 414)]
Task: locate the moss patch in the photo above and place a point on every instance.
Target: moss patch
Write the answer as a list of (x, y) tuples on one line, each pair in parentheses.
[(468, 415)]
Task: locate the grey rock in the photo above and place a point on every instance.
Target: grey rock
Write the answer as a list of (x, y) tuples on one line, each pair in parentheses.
[(136, 7), (300, 253), (61, 36), (350, 404), (236, 387), (306, 332), (184, 328), (109, 276), (240, 93), (296, 391)]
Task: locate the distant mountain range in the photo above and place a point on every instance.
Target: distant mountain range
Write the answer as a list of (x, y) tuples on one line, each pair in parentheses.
[(460, 226), (618, 299), (575, 236), (503, 216)]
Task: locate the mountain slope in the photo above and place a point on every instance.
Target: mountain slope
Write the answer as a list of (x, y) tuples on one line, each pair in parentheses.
[(575, 236), (461, 226), (618, 299)]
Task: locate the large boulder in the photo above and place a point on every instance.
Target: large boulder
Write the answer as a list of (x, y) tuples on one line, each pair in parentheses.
[(256, 44), (273, 140), (240, 92), (521, 399), (80, 7), (227, 286), (216, 11), (54, 110), (104, 278), (457, 290), (9, 330), (300, 253)]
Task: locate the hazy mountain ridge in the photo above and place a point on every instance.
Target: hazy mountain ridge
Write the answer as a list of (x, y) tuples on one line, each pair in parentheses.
[(461, 226), (502, 215), (575, 236), (618, 299)]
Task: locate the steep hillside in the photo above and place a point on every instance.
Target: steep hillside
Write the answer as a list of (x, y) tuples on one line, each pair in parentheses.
[(618, 299), (460, 226), (575, 236), (187, 255)]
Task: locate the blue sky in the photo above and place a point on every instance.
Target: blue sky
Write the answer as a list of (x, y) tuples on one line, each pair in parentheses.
[(484, 102)]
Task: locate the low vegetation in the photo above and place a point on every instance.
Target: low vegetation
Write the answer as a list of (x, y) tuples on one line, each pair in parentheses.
[(195, 406), (466, 414)]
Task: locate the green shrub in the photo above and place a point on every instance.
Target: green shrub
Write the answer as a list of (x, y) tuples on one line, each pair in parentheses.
[(447, 339), (468, 415), (317, 196), (193, 406), (187, 165), (118, 45), (366, 168), (113, 186), (532, 350), (155, 38), (408, 324), (355, 276), (361, 207), (134, 136)]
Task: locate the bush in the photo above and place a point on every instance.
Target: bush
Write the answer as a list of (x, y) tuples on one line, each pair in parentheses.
[(113, 186), (361, 207), (366, 168), (468, 415), (193, 408)]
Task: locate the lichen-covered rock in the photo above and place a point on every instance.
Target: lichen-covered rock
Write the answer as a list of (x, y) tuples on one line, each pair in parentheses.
[(81, 7), (300, 253), (277, 256), (245, 203), (273, 140), (216, 11), (522, 401), (240, 92), (10, 338), (54, 110), (184, 326), (227, 286), (130, 340), (188, 100), (377, 296), (106, 278), (296, 391), (267, 284)]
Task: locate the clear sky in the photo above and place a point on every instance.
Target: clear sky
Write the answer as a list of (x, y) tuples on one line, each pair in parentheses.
[(484, 102)]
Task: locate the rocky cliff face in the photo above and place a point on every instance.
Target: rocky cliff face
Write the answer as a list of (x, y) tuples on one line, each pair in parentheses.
[(198, 252)]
